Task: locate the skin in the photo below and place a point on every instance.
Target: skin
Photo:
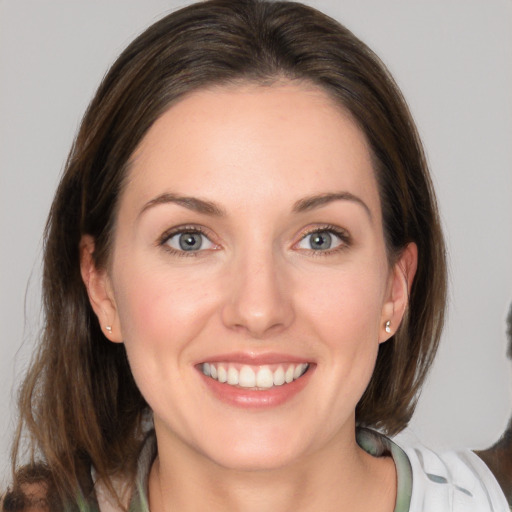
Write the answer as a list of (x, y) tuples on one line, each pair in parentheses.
[(499, 456), (499, 459), (256, 287)]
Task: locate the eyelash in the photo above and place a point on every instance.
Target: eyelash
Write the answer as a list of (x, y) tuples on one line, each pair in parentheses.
[(164, 239), (341, 234)]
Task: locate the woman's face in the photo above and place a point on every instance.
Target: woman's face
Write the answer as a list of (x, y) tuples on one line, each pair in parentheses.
[(249, 248)]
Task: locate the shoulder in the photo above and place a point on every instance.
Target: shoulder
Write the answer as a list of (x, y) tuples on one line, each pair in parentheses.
[(455, 481)]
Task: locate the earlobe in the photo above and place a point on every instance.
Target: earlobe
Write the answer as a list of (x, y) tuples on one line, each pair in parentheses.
[(99, 290), (401, 279)]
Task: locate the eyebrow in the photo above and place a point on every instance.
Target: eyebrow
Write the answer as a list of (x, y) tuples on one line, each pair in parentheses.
[(317, 201), (191, 203), (209, 208)]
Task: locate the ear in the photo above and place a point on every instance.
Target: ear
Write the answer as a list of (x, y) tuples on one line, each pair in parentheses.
[(399, 287), (99, 290)]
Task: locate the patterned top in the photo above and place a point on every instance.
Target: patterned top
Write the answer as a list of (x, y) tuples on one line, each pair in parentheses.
[(426, 481)]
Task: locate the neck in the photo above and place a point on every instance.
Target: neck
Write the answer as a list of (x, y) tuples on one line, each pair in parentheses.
[(342, 476)]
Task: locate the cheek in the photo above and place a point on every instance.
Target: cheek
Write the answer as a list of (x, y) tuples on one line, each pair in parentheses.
[(346, 304), (345, 313), (158, 307), (161, 313)]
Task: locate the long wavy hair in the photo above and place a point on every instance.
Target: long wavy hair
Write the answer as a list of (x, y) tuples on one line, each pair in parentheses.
[(79, 405)]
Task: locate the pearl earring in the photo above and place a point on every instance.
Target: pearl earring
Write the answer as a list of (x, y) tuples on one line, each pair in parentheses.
[(109, 329), (388, 326)]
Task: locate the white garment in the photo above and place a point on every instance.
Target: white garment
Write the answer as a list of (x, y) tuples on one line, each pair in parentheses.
[(452, 482), (427, 481)]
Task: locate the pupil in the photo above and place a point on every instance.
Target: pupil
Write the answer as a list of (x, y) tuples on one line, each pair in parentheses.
[(190, 241), (321, 240)]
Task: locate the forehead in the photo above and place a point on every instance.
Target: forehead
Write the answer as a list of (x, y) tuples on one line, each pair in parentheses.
[(290, 137)]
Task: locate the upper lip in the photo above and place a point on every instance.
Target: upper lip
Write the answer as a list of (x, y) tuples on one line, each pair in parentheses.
[(251, 358)]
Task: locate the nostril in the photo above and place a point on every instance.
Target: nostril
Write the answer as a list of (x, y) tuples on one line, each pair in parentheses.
[(258, 323), (259, 302)]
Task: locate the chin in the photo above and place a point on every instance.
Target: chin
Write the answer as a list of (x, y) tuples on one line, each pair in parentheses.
[(254, 460), (257, 452)]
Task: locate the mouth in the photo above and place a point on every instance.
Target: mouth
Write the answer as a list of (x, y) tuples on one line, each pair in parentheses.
[(254, 377)]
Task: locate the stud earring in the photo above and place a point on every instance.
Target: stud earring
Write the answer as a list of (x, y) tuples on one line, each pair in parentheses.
[(109, 329), (388, 326)]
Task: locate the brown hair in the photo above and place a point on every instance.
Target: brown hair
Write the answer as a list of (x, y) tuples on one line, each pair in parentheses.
[(79, 403), (33, 490)]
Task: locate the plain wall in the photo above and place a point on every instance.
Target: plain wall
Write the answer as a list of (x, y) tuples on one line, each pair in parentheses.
[(453, 61)]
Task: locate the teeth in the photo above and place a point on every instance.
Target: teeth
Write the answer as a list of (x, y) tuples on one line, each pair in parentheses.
[(288, 376), (298, 371), (279, 378), (232, 376), (222, 374), (260, 377), (265, 378), (247, 377)]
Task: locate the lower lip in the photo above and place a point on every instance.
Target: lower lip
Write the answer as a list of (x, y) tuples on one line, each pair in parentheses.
[(257, 399)]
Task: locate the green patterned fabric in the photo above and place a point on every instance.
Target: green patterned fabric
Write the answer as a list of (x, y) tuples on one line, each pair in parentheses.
[(372, 442), (443, 482), (378, 445), (427, 481)]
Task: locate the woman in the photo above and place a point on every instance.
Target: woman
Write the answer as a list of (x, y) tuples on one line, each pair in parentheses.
[(243, 263)]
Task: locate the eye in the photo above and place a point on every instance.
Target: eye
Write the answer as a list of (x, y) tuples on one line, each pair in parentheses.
[(322, 240), (188, 241)]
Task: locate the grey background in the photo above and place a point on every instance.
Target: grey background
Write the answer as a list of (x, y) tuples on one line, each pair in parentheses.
[(453, 61)]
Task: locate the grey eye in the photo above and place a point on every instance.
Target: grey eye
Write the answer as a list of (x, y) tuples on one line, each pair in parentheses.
[(189, 241), (320, 241)]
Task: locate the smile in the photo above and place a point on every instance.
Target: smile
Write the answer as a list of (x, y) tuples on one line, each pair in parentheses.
[(254, 377)]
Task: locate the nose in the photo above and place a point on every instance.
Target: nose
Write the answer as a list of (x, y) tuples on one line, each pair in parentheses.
[(259, 299)]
